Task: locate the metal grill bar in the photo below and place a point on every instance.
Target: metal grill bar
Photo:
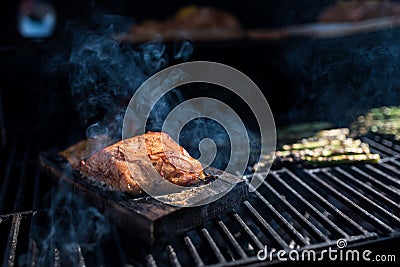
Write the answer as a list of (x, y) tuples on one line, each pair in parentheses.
[(329, 224), (329, 206), (394, 161), (193, 252), (368, 216), (231, 239), (33, 253), (387, 143), (389, 215), (213, 246), (10, 252), (388, 178), (81, 259), (268, 230), (150, 261), (380, 149), (297, 215), (57, 259), (253, 238), (389, 169), (283, 222), (387, 190), (172, 257), (368, 188)]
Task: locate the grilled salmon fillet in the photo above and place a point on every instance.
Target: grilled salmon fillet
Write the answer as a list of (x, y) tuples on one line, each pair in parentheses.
[(121, 165)]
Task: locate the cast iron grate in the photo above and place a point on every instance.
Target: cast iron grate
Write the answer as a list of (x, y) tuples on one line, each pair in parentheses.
[(294, 209)]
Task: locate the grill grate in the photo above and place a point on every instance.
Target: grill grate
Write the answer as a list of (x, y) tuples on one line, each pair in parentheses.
[(293, 209)]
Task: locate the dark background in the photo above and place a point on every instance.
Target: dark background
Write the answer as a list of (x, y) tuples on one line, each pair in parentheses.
[(303, 79), (252, 13)]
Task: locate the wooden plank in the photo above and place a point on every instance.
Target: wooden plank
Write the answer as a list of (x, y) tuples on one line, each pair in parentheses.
[(144, 217)]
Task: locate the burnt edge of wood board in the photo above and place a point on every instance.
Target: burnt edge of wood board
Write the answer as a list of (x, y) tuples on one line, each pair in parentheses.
[(151, 219)]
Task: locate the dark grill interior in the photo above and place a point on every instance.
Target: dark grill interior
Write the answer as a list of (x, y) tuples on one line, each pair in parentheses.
[(304, 76), (295, 208)]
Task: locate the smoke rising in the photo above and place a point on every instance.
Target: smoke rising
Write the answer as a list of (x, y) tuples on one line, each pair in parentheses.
[(184, 52), (69, 227), (105, 74), (338, 79)]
